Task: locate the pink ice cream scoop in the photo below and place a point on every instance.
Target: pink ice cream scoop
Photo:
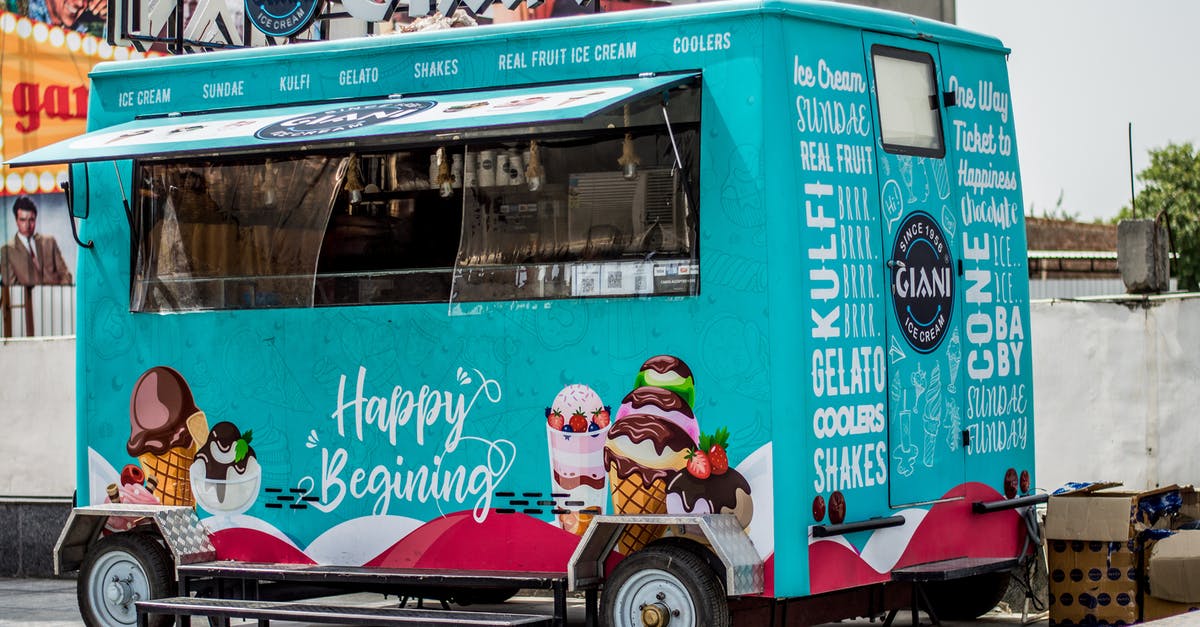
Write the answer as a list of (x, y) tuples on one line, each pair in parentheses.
[(132, 493), (662, 403)]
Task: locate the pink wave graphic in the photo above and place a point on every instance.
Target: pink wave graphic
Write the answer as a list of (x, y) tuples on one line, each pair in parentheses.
[(950, 529), (501, 542), (251, 545), (513, 542)]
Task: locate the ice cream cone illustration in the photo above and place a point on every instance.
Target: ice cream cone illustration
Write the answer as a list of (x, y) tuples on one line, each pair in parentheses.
[(642, 453), (170, 470), (632, 496), (159, 412)]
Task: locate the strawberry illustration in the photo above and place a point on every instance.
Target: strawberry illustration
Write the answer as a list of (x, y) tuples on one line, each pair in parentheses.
[(603, 417), (579, 422), (698, 464), (716, 445), (554, 419)]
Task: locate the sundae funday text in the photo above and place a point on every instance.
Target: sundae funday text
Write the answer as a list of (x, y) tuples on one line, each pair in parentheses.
[(421, 413)]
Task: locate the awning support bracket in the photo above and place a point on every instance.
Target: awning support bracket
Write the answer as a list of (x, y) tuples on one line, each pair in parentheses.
[(70, 189)]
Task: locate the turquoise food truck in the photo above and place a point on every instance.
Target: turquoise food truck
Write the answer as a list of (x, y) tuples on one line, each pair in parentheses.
[(713, 313)]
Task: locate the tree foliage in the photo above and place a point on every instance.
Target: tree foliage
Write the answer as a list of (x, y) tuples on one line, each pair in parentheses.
[(1172, 185)]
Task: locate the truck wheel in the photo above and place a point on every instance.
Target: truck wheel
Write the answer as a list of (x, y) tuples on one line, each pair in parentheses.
[(661, 585), (967, 598), (118, 571)]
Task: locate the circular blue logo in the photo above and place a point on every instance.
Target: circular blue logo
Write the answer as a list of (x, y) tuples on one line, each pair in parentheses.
[(282, 18), (922, 281), (321, 123)]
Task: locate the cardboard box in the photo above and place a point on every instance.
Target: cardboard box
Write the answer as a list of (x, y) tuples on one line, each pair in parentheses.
[(1154, 608), (1094, 550), (1173, 566), (1093, 581)]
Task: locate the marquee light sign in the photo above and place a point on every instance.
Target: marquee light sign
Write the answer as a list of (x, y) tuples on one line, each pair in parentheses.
[(214, 24)]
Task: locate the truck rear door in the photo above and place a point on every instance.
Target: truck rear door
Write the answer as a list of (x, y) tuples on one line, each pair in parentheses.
[(919, 241)]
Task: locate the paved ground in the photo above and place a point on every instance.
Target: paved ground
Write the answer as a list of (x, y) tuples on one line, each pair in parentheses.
[(51, 603)]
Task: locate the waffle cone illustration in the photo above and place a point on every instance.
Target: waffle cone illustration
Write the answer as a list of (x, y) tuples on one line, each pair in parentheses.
[(643, 452), (170, 469), (631, 496), (162, 415)]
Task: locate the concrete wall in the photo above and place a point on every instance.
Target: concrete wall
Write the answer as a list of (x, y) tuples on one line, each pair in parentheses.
[(1117, 391), (37, 452), (37, 417)]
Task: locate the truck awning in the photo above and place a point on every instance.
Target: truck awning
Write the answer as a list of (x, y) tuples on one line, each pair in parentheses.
[(349, 123)]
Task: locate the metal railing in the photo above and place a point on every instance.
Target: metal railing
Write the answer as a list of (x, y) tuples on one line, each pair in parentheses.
[(37, 311)]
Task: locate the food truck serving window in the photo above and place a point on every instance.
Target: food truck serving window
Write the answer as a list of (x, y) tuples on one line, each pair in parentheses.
[(909, 118), (605, 206)]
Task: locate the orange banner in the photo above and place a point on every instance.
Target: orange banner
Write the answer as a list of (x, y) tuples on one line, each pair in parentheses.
[(44, 91)]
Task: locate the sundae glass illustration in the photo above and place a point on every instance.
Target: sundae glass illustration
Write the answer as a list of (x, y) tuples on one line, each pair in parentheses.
[(577, 426), (226, 475)]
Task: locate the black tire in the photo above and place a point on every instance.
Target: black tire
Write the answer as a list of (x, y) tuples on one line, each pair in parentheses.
[(119, 570), (484, 596), (661, 578), (699, 550), (968, 598)]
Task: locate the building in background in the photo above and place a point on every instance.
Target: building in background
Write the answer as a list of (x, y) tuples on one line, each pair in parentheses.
[(44, 99), (1070, 259), (934, 9)]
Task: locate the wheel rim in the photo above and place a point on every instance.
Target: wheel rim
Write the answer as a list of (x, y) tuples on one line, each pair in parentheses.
[(115, 583), (654, 598)]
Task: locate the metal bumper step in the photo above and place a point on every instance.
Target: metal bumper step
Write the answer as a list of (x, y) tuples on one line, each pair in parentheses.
[(945, 570), (250, 574), (957, 568), (266, 611), (321, 574)]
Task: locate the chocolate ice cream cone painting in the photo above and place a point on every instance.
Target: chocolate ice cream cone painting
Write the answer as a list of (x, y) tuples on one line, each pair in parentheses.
[(159, 412), (642, 453), (658, 460)]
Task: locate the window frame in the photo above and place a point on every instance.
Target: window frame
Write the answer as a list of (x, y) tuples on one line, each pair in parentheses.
[(926, 59), (590, 128)]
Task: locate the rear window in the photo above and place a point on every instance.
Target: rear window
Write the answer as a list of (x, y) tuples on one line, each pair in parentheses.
[(909, 117)]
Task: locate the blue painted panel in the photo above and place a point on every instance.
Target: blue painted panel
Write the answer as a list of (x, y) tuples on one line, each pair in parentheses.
[(401, 432)]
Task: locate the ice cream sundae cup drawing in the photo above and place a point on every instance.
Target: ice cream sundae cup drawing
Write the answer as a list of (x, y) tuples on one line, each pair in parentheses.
[(577, 425), (226, 475)]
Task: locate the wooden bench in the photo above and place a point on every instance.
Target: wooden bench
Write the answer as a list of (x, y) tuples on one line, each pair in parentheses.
[(946, 570), (266, 611)]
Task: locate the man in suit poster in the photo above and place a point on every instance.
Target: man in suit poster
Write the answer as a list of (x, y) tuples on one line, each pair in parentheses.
[(32, 258)]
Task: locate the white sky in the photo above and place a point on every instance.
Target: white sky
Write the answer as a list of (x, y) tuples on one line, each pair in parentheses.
[(1081, 71)]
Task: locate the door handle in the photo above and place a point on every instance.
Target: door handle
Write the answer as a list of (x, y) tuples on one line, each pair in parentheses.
[(896, 263)]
